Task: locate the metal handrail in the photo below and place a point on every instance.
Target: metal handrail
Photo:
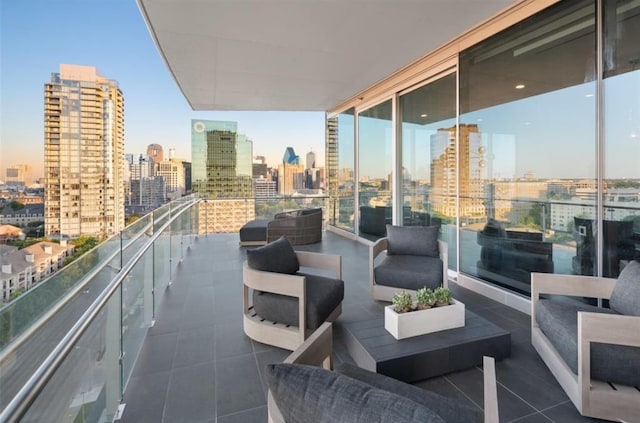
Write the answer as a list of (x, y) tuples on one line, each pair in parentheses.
[(21, 402), (24, 336)]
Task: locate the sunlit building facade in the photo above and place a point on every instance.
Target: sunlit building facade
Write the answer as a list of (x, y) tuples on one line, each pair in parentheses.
[(84, 153)]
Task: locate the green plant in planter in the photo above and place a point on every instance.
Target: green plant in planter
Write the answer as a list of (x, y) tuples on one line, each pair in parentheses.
[(443, 296), (426, 298), (402, 302)]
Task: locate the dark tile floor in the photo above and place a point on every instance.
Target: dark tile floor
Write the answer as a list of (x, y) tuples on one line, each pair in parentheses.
[(197, 365)]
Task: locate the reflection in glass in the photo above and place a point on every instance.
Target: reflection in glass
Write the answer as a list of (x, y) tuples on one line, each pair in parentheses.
[(524, 124), (340, 156), (621, 227), (428, 195), (375, 143)]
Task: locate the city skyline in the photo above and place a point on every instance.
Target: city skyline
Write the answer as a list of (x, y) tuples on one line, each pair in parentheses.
[(155, 109)]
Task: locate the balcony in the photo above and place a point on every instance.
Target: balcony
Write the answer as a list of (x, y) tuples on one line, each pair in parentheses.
[(165, 337)]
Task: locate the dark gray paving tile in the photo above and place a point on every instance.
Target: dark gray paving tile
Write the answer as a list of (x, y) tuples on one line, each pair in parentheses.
[(442, 386), (238, 385), (540, 392), (533, 418), (256, 415), (230, 341), (195, 346), (510, 406), (157, 354), (567, 413), (191, 396), (145, 397)]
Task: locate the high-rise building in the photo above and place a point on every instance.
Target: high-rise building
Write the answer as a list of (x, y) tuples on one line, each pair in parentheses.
[(84, 153), (155, 152), (290, 157), (214, 148), (471, 173), (144, 189), (311, 160), (174, 174), (244, 155), (19, 174)]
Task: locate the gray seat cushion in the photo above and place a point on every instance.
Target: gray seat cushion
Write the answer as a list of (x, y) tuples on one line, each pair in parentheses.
[(449, 409), (255, 230), (610, 363), (409, 272), (625, 298), (413, 240), (277, 256), (306, 394), (323, 296)]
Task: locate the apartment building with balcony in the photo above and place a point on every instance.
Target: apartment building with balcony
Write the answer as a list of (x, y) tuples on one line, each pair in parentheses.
[(84, 153)]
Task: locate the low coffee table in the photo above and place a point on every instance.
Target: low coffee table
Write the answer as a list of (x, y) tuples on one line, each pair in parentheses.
[(425, 356)]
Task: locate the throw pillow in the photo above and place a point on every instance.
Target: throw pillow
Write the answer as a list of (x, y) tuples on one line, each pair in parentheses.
[(277, 256), (413, 240), (625, 298), (449, 409), (306, 394)]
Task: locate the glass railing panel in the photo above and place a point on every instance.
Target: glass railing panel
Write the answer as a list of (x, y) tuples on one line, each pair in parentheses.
[(137, 310), (161, 264), (18, 315), (86, 387), (16, 369)]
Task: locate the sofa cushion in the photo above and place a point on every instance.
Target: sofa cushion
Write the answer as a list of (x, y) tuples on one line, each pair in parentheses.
[(449, 409), (558, 320), (306, 394), (323, 296), (409, 272), (413, 240), (277, 256), (625, 298)]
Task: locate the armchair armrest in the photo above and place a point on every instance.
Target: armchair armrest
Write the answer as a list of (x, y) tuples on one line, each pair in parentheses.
[(606, 329), (321, 261), (277, 283), (490, 390), (379, 246), (572, 285)]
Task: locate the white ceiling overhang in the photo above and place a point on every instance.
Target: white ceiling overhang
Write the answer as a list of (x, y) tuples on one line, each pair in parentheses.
[(298, 54)]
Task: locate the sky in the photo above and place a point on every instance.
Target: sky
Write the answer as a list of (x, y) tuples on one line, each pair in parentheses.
[(36, 36)]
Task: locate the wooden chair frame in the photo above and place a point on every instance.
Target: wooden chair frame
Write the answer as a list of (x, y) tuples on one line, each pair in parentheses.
[(592, 398), (384, 292), (317, 349), (278, 334)]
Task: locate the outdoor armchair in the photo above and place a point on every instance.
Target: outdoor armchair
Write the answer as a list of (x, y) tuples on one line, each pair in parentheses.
[(287, 305), (414, 258), (594, 353)]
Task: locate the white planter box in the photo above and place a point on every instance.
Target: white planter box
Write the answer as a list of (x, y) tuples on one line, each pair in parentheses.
[(420, 322)]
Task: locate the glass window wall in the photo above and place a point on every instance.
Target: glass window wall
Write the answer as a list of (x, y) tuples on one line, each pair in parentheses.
[(428, 195), (621, 104), (527, 147), (375, 143), (342, 183)]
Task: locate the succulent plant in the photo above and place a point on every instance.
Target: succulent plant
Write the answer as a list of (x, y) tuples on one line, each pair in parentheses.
[(402, 302), (426, 298), (443, 296)]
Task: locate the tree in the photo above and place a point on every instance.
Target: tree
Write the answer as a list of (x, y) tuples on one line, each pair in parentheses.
[(16, 205)]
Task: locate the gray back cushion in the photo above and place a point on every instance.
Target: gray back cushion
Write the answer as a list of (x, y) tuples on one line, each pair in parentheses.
[(413, 240), (277, 256), (625, 298), (306, 394), (449, 409)]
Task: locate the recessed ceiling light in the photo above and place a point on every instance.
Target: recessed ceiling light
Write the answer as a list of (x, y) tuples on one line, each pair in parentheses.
[(519, 86), (424, 115), (480, 119), (588, 95)]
